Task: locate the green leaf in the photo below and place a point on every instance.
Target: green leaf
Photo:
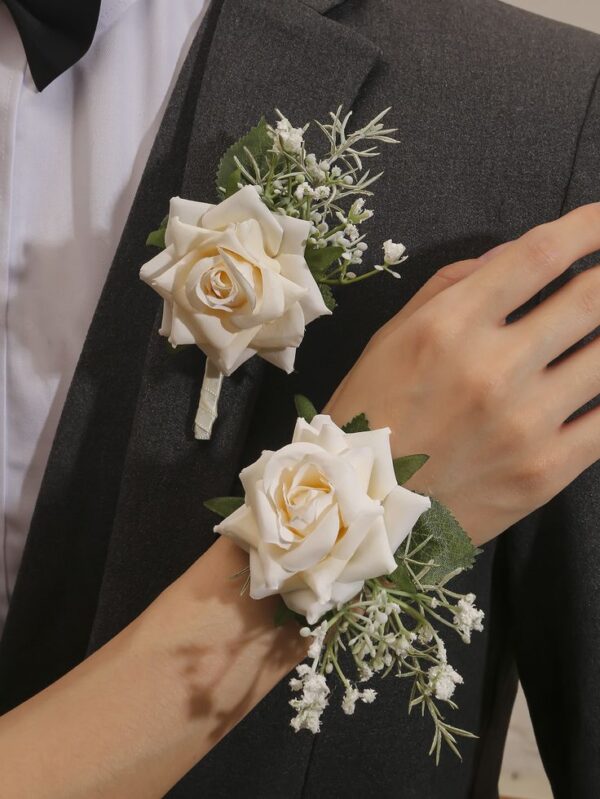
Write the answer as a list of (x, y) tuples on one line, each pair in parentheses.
[(449, 546), (360, 424), (407, 465), (402, 580), (328, 297), (283, 614), (224, 506), (157, 237), (319, 259), (258, 142), (304, 408), (232, 183)]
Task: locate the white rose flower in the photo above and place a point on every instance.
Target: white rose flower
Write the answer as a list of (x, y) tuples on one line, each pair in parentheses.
[(234, 281), (322, 515)]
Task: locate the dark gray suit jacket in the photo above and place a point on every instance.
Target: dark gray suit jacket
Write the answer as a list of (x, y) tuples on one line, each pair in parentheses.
[(499, 119)]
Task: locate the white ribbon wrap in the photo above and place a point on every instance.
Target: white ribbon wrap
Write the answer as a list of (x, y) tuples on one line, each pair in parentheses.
[(209, 400)]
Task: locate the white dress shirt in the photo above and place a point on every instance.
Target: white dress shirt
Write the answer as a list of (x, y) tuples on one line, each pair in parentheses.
[(71, 158)]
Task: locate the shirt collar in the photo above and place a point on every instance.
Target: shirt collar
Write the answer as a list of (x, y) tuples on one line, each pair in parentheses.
[(110, 11)]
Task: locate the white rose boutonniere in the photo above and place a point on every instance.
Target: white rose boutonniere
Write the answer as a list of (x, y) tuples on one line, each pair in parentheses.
[(234, 281), (330, 527), (321, 516), (244, 277)]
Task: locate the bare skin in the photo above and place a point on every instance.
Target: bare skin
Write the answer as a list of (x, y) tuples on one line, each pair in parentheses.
[(450, 379), (135, 717), (480, 397)]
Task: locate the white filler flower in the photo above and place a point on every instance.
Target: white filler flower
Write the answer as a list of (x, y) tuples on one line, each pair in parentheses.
[(392, 252), (234, 281), (322, 515)]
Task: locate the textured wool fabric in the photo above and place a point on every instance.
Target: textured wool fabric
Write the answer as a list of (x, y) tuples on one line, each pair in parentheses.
[(54, 602), (498, 119)]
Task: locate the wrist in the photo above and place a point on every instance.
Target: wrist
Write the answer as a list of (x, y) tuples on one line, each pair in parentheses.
[(204, 622)]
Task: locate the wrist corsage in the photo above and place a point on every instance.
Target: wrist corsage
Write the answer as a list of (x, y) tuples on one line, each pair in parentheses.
[(360, 561), (245, 276)]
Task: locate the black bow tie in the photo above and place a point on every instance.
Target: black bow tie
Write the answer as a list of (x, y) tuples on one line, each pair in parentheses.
[(55, 33)]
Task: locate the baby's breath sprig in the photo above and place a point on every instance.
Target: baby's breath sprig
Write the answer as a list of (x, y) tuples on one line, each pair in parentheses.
[(328, 190), (390, 627)]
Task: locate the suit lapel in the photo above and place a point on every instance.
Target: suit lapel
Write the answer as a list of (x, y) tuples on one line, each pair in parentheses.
[(119, 514), (264, 54), (54, 601)]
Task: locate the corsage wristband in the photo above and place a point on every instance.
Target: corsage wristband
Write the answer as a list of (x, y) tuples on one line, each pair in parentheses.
[(361, 559)]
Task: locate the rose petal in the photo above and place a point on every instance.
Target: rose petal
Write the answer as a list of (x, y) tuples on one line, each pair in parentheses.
[(402, 509), (322, 576), (229, 240), (362, 459), (295, 268), (185, 238), (274, 574), (246, 204), (282, 359), (223, 347), (288, 331), (304, 602), (315, 546), (291, 455), (180, 332), (249, 234), (271, 530), (292, 293), (344, 592), (271, 304), (188, 211), (254, 487), (227, 362), (258, 586), (352, 499), (156, 266), (373, 557), (255, 471), (323, 432), (241, 527), (168, 279), (245, 284), (167, 319), (295, 235), (383, 478)]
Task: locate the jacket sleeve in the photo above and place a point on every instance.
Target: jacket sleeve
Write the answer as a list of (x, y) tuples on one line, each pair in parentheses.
[(553, 574)]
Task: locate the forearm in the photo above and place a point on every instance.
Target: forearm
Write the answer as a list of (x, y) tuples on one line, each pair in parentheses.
[(139, 713)]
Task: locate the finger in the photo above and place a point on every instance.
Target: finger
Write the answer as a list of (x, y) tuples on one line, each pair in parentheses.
[(563, 319), (494, 251), (444, 278), (529, 263), (569, 384), (579, 442)]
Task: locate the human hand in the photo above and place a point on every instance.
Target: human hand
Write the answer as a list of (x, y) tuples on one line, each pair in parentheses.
[(481, 397)]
